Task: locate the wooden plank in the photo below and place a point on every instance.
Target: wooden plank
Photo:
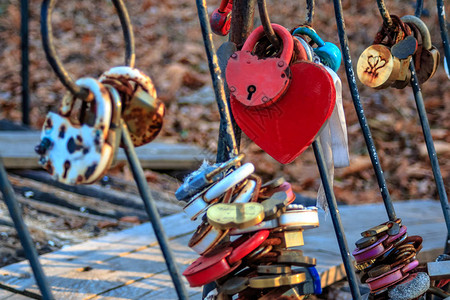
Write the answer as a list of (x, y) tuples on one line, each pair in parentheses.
[(19, 276), (160, 154)]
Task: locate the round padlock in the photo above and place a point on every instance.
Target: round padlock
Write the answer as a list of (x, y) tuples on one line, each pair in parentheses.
[(143, 112), (259, 82), (206, 269)]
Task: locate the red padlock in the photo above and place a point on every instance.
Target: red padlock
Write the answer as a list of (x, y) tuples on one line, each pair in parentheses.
[(259, 82), (220, 20)]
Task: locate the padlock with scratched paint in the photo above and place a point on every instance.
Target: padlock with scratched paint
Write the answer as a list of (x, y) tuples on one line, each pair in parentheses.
[(220, 19), (404, 50), (377, 67), (75, 153), (142, 111), (260, 81), (329, 53), (426, 61)]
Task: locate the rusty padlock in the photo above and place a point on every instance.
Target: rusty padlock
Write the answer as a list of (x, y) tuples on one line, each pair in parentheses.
[(260, 81), (77, 153), (377, 67), (428, 61), (220, 19), (142, 111)]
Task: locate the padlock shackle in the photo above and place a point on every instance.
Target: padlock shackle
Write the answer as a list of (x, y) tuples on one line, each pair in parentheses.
[(103, 105), (55, 62), (310, 33), (224, 4), (283, 33), (423, 29)]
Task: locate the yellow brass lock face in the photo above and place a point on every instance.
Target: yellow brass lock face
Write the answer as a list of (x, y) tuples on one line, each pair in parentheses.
[(377, 68), (289, 238), (274, 269), (271, 281), (296, 258), (235, 215)]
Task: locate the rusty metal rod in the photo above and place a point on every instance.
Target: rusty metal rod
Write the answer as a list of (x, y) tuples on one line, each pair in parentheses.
[(265, 21), (227, 133)]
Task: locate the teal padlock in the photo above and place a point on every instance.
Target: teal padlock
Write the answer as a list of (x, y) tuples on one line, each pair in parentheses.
[(329, 53)]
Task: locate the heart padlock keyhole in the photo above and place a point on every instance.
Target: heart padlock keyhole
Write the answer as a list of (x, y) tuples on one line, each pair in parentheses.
[(251, 90)]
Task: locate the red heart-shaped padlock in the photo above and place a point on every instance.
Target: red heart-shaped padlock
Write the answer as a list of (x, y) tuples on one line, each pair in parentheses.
[(287, 127), (256, 81)]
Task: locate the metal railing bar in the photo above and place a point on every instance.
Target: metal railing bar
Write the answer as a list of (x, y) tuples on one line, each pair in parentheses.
[(25, 61), (23, 233), (360, 112), (335, 217), (431, 152), (227, 133), (444, 30), (150, 208)]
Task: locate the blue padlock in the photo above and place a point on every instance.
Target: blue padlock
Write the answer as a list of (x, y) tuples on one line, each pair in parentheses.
[(329, 53)]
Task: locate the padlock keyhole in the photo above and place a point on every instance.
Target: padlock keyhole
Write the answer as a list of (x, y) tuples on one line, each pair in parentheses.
[(251, 90)]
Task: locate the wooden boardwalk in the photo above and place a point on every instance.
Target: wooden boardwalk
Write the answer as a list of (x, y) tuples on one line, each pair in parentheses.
[(129, 264)]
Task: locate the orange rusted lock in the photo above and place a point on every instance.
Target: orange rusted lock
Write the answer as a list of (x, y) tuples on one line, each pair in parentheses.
[(143, 112)]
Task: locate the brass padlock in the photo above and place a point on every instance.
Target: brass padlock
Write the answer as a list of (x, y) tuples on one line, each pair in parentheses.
[(72, 151), (377, 68), (143, 112), (428, 62)]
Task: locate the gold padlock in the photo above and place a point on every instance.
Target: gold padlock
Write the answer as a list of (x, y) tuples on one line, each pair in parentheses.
[(143, 112), (235, 215), (377, 68)]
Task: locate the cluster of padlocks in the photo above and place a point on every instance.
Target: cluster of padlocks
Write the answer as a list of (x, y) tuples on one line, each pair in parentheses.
[(78, 147), (386, 62), (246, 234), (386, 257)]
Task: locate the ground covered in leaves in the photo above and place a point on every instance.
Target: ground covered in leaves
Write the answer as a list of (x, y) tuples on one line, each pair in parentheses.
[(169, 48)]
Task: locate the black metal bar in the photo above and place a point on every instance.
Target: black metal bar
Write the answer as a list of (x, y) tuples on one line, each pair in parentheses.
[(24, 235), (265, 21), (335, 217), (384, 13), (241, 21), (419, 8), (444, 30), (227, 133), (150, 207), (360, 112), (309, 12), (127, 29), (25, 71), (431, 151), (55, 62)]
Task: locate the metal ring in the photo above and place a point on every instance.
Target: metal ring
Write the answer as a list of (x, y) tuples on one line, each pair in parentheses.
[(55, 62), (265, 21), (309, 12), (385, 13)]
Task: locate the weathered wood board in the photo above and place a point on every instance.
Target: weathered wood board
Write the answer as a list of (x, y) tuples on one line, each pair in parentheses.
[(129, 264), (160, 154)]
